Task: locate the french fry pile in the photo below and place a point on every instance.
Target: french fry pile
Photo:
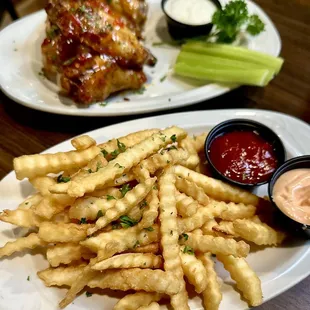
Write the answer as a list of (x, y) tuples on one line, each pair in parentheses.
[(138, 213)]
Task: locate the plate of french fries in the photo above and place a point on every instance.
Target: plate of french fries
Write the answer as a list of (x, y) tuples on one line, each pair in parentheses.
[(128, 217)]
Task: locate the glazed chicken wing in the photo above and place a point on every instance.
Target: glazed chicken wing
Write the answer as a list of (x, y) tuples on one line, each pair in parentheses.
[(93, 48)]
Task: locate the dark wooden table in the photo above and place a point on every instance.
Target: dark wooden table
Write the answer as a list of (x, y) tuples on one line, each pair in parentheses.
[(25, 131)]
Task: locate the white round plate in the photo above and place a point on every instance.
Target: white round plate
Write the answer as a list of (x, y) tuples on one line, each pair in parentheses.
[(21, 63), (278, 268)]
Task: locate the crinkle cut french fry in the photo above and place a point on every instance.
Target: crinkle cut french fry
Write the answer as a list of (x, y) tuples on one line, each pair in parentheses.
[(216, 188), (65, 253), (88, 207), (30, 242), (149, 248), (197, 232), (81, 281), (261, 234), (138, 279), (120, 240), (188, 145), (192, 190), (111, 191), (123, 179), (170, 236), (195, 221), (124, 162), (214, 209), (31, 166), (161, 160), (207, 228), (231, 211), (61, 275), (21, 217), (124, 205), (246, 279), (226, 228), (186, 206), (139, 299), (216, 245), (52, 205), (124, 279), (199, 142), (42, 184), (194, 270), (152, 306), (202, 166), (95, 164), (60, 232), (212, 295), (129, 140), (31, 201), (83, 142), (130, 260), (150, 211)]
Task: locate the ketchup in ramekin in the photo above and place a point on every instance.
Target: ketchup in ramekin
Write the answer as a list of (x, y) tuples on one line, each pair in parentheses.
[(244, 152)]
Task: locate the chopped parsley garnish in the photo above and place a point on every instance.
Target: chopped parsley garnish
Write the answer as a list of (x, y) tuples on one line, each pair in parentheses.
[(119, 166), (163, 78), (110, 197), (88, 294), (99, 165), (52, 32), (143, 204), (125, 188), (90, 171), (188, 250), (114, 153), (126, 221), (116, 225), (121, 146), (173, 138), (109, 27), (62, 179), (136, 244), (141, 90), (28, 278), (149, 228), (83, 220), (162, 137), (104, 152), (155, 187), (69, 61), (103, 104), (185, 236), (99, 214), (230, 21)]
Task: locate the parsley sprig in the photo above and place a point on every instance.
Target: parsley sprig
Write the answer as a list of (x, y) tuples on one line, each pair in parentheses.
[(232, 19)]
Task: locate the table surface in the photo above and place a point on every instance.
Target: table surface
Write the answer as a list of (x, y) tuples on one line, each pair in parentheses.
[(26, 131)]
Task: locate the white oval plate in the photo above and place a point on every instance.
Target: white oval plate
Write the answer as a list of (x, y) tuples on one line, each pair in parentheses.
[(277, 275), (21, 63)]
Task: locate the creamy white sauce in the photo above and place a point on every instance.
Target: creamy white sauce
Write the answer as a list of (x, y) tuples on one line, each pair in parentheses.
[(190, 12)]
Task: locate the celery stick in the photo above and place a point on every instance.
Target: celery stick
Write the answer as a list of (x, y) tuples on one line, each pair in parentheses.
[(257, 77), (207, 61), (236, 53)]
